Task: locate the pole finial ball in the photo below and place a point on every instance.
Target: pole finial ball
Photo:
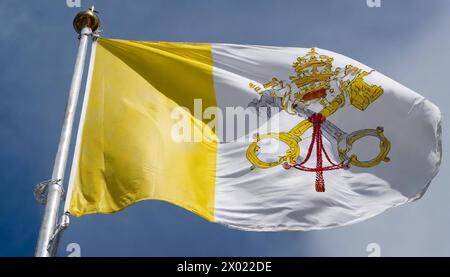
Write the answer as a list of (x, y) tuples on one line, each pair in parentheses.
[(87, 18)]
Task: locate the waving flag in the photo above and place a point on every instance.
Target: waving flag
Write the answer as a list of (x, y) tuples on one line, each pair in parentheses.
[(253, 137)]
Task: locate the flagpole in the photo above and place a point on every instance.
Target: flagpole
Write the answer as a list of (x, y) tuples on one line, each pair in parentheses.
[(86, 23)]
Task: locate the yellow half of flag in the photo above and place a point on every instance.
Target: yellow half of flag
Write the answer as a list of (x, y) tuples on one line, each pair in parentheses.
[(125, 151)]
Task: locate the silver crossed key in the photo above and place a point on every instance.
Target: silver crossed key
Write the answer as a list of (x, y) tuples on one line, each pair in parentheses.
[(333, 132)]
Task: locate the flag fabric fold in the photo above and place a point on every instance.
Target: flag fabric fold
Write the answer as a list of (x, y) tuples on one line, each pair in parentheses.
[(257, 138)]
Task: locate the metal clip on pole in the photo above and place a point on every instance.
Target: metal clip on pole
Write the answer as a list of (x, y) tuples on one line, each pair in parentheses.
[(41, 189)]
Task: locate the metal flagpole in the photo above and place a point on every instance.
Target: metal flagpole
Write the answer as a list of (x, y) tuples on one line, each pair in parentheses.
[(86, 23)]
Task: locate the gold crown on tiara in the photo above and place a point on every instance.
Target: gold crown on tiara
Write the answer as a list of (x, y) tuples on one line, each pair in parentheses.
[(313, 73)]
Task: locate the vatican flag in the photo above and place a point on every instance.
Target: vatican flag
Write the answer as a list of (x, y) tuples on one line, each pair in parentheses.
[(256, 138)]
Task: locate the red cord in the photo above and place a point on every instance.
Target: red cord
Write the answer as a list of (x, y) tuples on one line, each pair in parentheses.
[(316, 119)]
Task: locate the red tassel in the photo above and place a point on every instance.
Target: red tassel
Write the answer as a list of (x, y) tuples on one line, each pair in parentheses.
[(316, 119), (320, 182)]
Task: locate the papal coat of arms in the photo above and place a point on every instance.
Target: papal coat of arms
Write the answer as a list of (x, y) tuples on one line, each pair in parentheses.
[(317, 81)]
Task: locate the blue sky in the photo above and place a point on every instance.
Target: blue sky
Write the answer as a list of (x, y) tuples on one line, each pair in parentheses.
[(407, 40)]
